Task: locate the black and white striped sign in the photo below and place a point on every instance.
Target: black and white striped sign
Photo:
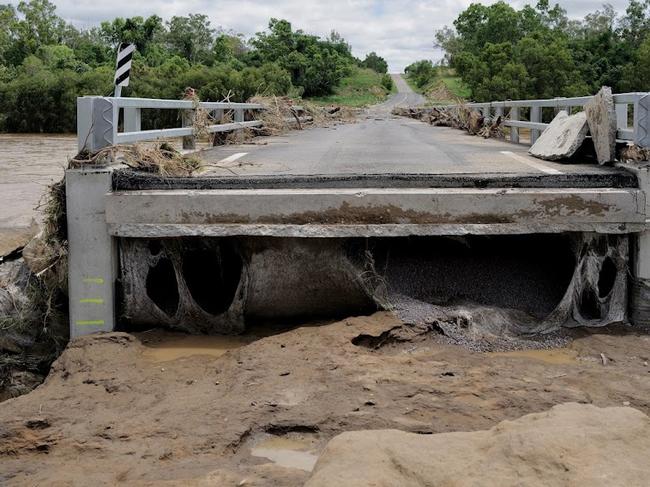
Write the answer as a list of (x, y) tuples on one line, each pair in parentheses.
[(123, 69)]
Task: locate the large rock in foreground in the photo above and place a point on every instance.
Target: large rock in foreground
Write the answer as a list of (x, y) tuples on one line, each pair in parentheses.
[(571, 444), (562, 138)]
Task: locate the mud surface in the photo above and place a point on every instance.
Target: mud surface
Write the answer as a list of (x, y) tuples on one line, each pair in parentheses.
[(162, 409)]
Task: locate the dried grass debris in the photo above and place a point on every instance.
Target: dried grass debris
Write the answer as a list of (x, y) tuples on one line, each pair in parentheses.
[(162, 159)]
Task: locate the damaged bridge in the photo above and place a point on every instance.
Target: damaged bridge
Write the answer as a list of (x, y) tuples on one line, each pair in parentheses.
[(354, 217)]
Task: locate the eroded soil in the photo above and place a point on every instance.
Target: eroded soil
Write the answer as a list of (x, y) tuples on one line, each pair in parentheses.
[(160, 409)]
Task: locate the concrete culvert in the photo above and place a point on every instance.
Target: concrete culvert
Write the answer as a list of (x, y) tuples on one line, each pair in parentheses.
[(499, 285), (203, 277), (212, 276), (162, 287)]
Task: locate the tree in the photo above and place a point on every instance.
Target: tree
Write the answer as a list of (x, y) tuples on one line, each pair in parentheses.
[(493, 46), (190, 37), (37, 25), (7, 25), (316, 65), (421, 72), (375, 62), (143, 33)]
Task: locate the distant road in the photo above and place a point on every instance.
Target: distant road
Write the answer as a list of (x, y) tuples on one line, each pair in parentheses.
[(405, 95)]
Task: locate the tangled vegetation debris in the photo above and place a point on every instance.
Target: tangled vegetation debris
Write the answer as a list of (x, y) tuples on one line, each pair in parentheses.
[(161, 159), (281, 114), (459, 116), (634, 153)]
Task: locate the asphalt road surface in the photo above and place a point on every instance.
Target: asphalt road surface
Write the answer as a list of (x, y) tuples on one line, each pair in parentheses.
[(383, 144)]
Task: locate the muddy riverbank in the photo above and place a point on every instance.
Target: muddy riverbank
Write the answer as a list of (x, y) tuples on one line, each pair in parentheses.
[(156, 408)]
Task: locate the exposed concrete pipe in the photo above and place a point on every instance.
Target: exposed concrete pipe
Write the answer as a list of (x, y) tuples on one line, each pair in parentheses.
[(539, 283)]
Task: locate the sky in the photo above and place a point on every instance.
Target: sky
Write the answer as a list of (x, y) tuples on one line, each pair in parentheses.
[(400, 31)]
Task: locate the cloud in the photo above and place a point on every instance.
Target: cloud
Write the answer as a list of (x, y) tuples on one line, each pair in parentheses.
[(400, 31)]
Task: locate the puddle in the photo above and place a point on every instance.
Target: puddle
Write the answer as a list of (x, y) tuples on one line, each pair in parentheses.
[(557, 356), (168, 348), (288, 452)]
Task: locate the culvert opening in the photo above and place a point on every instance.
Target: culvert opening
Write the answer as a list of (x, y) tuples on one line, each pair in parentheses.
[(607, 277), (212, 276), (162, 287), (517, 279), (530, 273)]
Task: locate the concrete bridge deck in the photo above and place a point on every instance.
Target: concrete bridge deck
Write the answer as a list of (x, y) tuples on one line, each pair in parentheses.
[(388, 152), (382, 150)]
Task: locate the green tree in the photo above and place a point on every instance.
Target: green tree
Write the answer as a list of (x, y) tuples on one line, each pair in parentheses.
[(421, 72), (7, 26), (375, 62), (190, 37), (315, 65), (137, 30)]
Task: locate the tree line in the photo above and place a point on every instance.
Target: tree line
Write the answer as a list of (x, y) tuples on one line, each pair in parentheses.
[(539, 52), (45, 62)]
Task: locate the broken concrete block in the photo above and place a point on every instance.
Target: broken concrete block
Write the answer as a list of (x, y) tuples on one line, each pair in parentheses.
[(601, 117), (562, 138)]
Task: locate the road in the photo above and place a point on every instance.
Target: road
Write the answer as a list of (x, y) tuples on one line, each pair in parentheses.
[(381, 144), (405, 96)]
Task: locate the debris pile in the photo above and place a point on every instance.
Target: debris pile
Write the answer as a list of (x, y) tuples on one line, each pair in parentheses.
[(282, 114), (460, 117), (161, 159)]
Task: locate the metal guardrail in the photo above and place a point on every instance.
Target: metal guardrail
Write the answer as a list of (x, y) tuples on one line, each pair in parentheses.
[(639, 132), (98, 120)]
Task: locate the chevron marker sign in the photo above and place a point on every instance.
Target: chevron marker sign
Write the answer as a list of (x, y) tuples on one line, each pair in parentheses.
[(123, 68)]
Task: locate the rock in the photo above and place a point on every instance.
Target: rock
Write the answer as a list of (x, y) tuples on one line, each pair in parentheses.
[(571, 444), (562, 138), (601, 118)]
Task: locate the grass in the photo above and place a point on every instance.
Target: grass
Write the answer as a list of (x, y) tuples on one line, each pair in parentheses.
[(456, 86), (448, 77), (361, 88)]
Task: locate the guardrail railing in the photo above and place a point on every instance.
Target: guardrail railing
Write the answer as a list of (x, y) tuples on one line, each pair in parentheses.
[(98, 120), (639, 103)]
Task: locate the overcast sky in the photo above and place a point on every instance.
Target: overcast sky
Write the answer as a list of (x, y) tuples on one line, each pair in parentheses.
[(400, 31)]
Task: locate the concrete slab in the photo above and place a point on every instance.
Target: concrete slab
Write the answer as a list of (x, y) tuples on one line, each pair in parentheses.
[(601, 117), (562, 138), (373, 212)]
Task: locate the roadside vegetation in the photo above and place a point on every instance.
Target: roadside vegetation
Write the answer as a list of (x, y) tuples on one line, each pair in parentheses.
[(362, 87), (538, 52), (438, 83), (45, 63)]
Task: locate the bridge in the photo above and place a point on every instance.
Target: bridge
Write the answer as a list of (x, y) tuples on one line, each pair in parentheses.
[(380, 177)]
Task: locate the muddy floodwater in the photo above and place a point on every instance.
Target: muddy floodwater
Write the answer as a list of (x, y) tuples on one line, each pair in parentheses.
[(28, 164)]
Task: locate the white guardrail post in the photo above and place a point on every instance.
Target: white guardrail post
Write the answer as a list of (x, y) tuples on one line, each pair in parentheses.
[(96, 123), (514, 131), (132, 119), (535, 117), (642, 121)]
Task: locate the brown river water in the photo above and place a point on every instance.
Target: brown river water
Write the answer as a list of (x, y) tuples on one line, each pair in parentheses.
[(28, 164)]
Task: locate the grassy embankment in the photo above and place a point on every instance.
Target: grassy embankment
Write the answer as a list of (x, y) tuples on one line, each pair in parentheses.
[(361, 88), (445, 82)]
